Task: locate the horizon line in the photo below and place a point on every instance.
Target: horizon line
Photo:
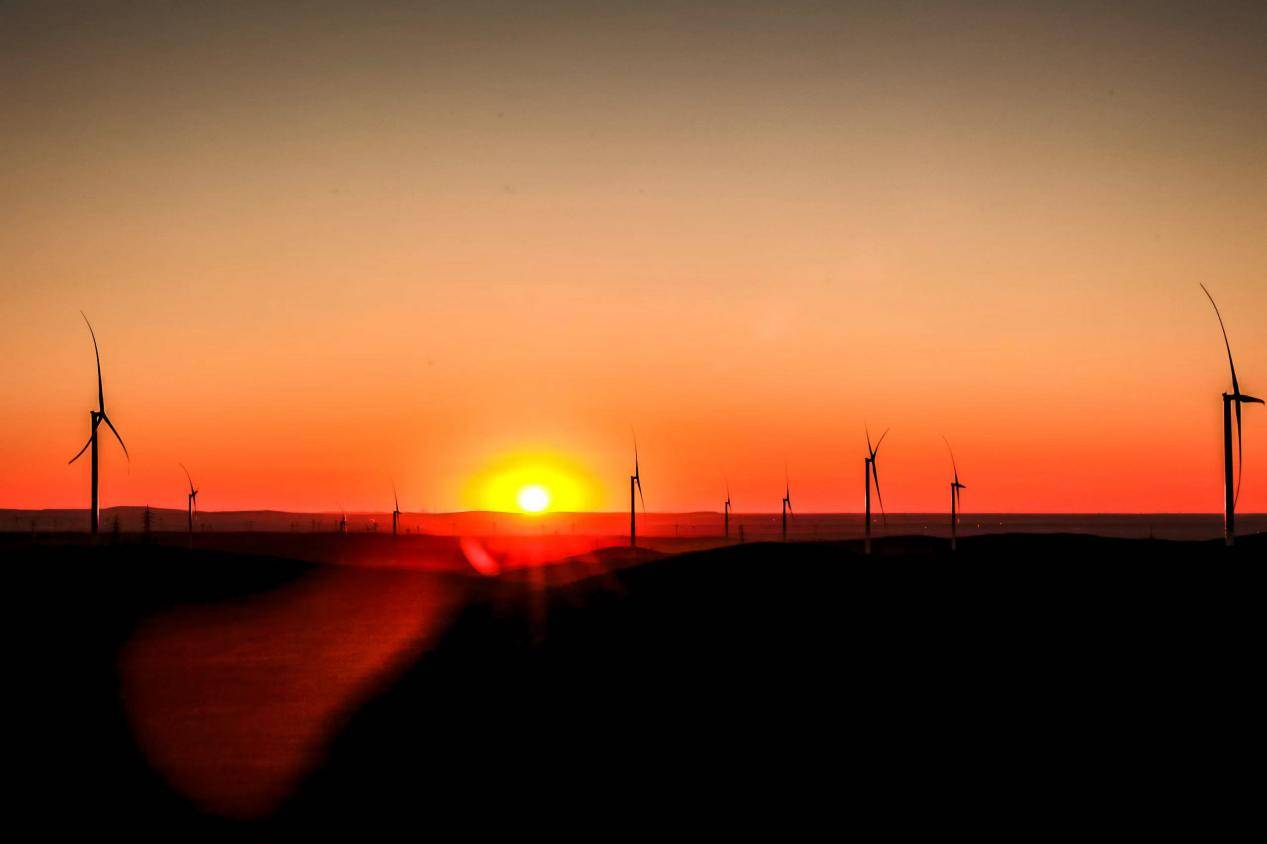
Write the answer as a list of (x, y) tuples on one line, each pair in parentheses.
[(624, 514)]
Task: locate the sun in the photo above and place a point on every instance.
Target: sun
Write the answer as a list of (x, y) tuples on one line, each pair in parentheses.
[(533, 498), (532, 481)]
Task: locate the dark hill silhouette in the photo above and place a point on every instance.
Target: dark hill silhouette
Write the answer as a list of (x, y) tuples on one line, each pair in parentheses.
[(798, 685), (765, 687)]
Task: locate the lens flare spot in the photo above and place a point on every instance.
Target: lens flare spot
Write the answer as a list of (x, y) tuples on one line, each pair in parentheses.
[(533, 498)]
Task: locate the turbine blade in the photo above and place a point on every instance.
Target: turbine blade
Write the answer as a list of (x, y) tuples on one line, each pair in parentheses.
[(101, 396), (106, 419), (81, 451), (1240, 457), (192, 491), (952, 457), (395, 497), (875, 473), (638, 481), (881, 440), (1235, 386), (870, 450)]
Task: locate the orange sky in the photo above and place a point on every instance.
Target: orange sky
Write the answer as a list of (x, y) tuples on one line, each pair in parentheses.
[(326, 247)]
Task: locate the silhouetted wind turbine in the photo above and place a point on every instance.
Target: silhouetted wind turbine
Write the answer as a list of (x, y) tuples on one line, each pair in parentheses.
[(395, 512), (955, 486), (1231, 491), (787, 502), (97, 417), (726, 513), (869, 472), (192, 502), (635, 480)]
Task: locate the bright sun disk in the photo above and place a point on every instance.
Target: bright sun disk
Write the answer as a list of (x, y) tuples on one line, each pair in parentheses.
[(533, 498)]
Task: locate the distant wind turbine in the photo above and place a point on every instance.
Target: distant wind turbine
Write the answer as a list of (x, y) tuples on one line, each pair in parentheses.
[(192, 502), (955, 486), (787, 502), (395, 512), (869, 472), (635, 480), (343, 520), (97, 417), (726, 513), (1231, 491)]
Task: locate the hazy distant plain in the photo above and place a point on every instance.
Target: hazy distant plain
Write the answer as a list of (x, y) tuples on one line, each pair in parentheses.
[(697, 525)]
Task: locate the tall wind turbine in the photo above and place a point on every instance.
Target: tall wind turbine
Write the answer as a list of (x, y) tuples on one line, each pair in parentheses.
[(787, 502), (726, 514), (955, 486), (635, 480), (395, 512), (869, 472), (1231, 491), (192, 502), (96, 417)]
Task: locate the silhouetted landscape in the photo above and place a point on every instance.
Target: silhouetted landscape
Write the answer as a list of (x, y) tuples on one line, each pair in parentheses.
[(796, 680)]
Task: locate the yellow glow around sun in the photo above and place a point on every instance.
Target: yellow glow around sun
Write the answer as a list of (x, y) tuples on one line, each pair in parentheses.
[(533, 498), (532, 482)]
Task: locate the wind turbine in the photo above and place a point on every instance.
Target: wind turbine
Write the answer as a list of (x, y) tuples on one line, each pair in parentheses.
[(96, 418), (1231, 492), (869, 472), (787, 502), (635, 480), (726, 514), (192, 502), (343, 521), (396, 512), (955, 486)]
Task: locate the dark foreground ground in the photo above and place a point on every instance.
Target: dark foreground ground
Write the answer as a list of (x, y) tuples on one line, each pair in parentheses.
[(1026, 683)]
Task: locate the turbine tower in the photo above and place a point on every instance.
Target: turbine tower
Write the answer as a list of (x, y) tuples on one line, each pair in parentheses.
[(869, 472), (192, 502), (955, 486), (96, 417), (635, 480), (787, 502), (1231, 491)]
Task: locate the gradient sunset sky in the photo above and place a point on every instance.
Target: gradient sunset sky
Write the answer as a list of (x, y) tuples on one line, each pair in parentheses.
[(328, 244)]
